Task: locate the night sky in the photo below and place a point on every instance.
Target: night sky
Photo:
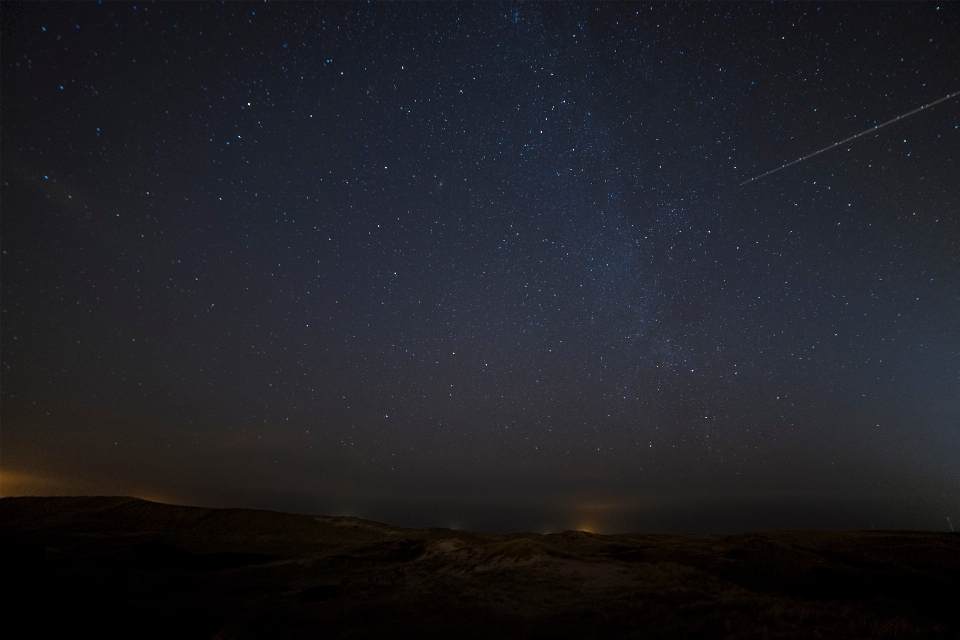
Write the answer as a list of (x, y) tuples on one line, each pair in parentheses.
[(485, 265)]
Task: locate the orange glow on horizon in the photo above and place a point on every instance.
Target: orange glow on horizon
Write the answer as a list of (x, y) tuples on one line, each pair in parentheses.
[(19, 483), (22, 483)]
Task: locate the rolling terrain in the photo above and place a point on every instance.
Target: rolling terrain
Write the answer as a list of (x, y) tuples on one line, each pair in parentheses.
[(127, 567)]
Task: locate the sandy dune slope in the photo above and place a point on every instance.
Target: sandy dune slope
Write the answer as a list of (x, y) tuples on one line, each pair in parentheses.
[(126, 567)]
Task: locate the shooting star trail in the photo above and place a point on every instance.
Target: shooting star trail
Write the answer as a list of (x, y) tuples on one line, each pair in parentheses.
[(853, 137)]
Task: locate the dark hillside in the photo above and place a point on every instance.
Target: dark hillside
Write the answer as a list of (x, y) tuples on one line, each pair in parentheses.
[(127, 567)]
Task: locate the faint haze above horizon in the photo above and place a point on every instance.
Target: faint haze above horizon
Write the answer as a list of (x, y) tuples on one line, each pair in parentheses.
[(485, 266)]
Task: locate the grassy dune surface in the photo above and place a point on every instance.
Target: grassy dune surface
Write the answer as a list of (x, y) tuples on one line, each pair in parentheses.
[(127, 567)]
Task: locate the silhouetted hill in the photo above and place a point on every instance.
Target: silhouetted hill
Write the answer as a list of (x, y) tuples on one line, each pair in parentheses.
[(126, 567)]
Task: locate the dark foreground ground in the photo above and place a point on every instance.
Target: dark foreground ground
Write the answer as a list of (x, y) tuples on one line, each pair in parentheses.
[(112, 567)]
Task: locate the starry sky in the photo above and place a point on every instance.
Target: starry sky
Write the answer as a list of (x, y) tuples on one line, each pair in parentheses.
[(485, 265)]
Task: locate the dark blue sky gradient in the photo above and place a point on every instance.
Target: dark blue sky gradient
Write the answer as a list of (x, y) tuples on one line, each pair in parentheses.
[(485, 265)]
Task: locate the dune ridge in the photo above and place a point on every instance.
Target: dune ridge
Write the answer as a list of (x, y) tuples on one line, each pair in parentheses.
[(113, 564)]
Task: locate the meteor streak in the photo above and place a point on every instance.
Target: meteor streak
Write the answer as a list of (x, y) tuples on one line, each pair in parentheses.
[(853, 137)]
